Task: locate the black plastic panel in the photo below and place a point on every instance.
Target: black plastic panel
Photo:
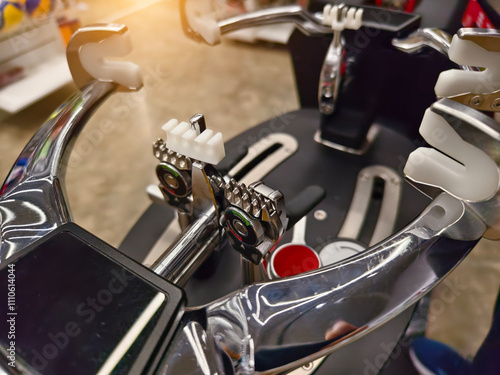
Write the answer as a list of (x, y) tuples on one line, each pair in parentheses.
[(77, 301)]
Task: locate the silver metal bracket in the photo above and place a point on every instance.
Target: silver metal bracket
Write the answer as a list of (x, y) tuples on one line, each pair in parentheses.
[(254, 217)]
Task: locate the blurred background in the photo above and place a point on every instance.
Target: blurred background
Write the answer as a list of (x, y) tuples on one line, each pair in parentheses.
[(236, 85)]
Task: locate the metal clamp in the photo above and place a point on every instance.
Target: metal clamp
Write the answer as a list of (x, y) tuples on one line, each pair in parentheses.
[(183, 179), (174, 174), (253, 216)]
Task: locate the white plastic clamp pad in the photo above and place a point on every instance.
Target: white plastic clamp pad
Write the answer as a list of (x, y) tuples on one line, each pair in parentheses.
[(472, 176), (333, 16), (92, 58), (202, 19), (206, 147), (466, 52)]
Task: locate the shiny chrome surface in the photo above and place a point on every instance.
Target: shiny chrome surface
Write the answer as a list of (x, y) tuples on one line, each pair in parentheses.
[(441, 41), (330, 77), (370, 137), (289, 145), (273, 327), (436, 39), (189, 249), (309, 24), (486, 38), (428, 37), (483, 132), (264, 327), (358, 210), (32, 201), (277, 326)]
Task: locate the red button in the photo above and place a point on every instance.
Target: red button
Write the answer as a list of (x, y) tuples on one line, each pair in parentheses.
[(294, 259)]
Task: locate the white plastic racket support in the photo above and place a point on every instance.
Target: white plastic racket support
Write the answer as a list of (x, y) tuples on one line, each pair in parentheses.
[(454, 165), (206, 147), (202, 19), (87, 52), (477, 89)]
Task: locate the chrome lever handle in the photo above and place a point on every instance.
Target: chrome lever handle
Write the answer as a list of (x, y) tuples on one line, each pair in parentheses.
[(434, 38), (310, 24), (200, 21), (339, 18)]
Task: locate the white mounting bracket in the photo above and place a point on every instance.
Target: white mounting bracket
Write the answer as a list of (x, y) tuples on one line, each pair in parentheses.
[(460, 169), (87, 51), (185, 140)]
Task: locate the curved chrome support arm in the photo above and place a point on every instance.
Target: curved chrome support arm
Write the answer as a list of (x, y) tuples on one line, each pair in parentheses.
[(309, 24), (200, 22), (203, 20), (277, 326), (434, 38), (32, 201)]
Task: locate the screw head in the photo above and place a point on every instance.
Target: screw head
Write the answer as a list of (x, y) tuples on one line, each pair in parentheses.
[(240, 227), (308, 366), (171, 181), (320, 215), (476, 101), (496, 104)]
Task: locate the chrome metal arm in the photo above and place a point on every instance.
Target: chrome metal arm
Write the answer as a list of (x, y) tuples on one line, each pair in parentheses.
[(189, 249), (32, 201), (274, 327), (309, 24), (203, 21), (434, 38)]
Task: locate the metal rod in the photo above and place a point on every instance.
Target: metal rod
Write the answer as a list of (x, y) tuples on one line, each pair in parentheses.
[(189, 249)]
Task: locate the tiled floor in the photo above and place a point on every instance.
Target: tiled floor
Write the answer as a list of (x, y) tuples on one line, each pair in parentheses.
[(235, 86)]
